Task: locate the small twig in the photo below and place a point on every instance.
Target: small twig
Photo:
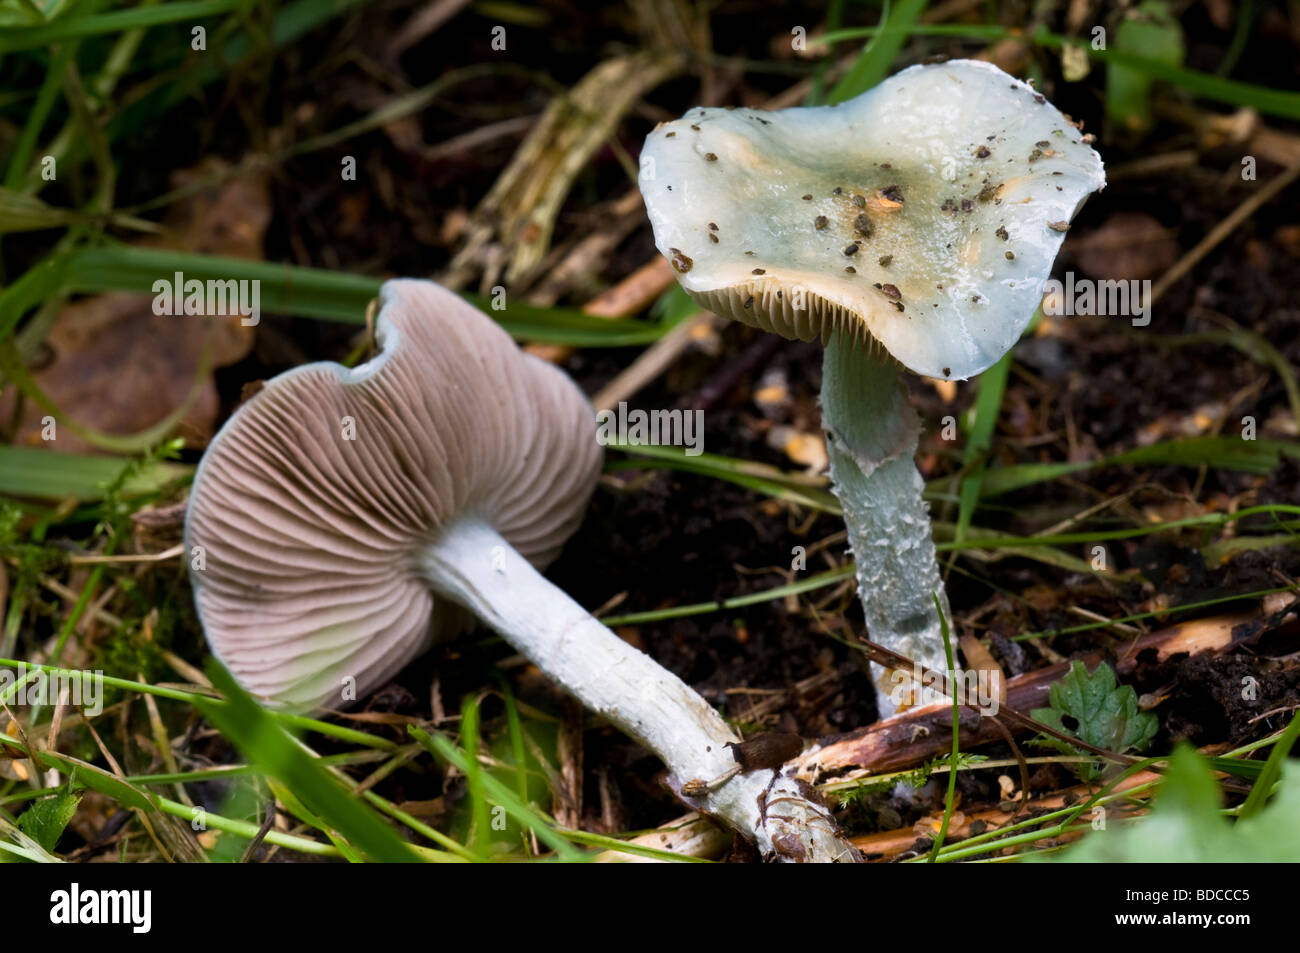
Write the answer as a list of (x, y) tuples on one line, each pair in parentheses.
[(1222, 231), (267, 822), (1010, 739), (895, 660), (652, 362)]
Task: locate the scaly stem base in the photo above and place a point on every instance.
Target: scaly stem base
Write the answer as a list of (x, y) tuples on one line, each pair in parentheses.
[(871, 440)]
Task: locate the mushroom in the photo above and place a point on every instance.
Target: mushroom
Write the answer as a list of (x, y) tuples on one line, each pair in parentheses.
[(343, 519), (882, 226)]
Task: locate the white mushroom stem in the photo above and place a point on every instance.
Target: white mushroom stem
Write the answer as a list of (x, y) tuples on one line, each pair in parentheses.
[(871, 439), (474, 566)]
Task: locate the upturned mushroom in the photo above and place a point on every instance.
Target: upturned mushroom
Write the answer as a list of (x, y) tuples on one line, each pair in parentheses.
[(342, 520), (912, 227)]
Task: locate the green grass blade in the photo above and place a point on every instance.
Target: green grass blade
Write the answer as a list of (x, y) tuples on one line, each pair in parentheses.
[(45, 100), (988, 405), (955, 758), (43, 474), (873, 64), (1275, 102), (480, 825), (1205, 521), (1225, 453), (515, 729), (805, 490), (265, 743), (328, 295), (118, 21), (1271, 771), (439, 746), (292, 21), (820, 581)]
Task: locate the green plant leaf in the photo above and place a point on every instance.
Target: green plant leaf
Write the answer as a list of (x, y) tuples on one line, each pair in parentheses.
[(1186, 826), (45, 820), (1106, 713), (17, 846), (1150, 31)]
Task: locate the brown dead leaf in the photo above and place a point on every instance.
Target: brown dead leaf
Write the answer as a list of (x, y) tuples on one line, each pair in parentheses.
[(979, 659), (116, 366), (1127, 246), (806, 449)]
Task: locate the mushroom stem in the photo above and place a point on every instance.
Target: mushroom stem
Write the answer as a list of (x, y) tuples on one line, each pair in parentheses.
[(471, 564), (871, 440)]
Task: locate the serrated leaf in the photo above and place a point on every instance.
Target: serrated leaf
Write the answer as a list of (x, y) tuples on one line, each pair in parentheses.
[(46, 819), (1106, 713)]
